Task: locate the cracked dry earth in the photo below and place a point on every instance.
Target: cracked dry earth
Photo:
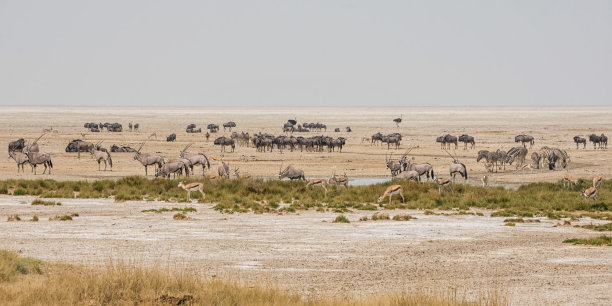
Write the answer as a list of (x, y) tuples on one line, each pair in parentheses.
[(305, 252)]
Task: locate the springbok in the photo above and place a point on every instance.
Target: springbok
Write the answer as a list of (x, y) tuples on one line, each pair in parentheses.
[(525, 166), (444, 182), (241, 175), (192, 187), (366, 139), (485, 180), (569, 180), (212, 176), (591, 192), (101, 156), (20, 158), (488, 166), (392, 190), (318, 182), (597, 181)]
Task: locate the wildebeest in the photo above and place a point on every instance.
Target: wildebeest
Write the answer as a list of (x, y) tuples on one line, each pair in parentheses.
[(115, 148), (467, 139), (114, 127), (377, 138), (394, 138), (524, 139), (580, 140), (192, 129), (16, 145), (147, 159), (224, 141), (602, 140), (229, 125), (348, 129), (337, 130), (446, 140), (291, 173), (171, 137), (78, 145), (213, 128)]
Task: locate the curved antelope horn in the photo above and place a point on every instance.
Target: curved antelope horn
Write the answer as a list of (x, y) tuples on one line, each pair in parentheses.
[(140, 148), (281, 168), (451, 156), (187, 147), (39, 137)]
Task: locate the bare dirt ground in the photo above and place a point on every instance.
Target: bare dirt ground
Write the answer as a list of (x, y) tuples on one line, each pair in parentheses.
[(309, 254), (493, 128)]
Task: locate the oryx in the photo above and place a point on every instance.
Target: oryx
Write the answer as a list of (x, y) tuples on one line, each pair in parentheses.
[(147, 159)]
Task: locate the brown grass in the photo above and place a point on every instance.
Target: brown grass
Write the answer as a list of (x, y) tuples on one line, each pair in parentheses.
[(32, 282)]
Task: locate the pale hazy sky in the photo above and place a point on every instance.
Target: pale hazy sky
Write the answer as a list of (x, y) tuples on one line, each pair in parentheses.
[(320, 53)]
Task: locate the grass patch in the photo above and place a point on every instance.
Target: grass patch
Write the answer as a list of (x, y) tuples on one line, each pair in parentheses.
[(521, 220), (45, 203), (63, 218), (510, 224), (261, 196), (341, 219), (179, 216), (26, 281), (601, 240), (403, 217), (163, 209), (600, 228), (12, 218), (364, 218), (380, 216), (34, 218)]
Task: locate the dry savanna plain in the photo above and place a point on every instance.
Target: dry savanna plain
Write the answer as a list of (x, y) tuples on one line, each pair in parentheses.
[(471, 254)]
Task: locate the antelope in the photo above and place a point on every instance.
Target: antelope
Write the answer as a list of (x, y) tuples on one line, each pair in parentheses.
[(318, 182), (241, 175), (192, 187), (154, 134), (457, 167), (172, 167), (49, 130), (20, 158), (366, 139), (525, 166), (195, 159), (485, 180), (591, 192), (339, 180), (597, 181), (392, 190), (408, 175), (567, 179), (212, 176), (291, 172), (148, 159), (488, 166), (101, 156), (444, 182), (35, 158)]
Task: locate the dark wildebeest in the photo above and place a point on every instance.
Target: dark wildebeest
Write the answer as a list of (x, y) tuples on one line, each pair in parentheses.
[(580, 140), (465, 138), (602, 140), (16, 145), (524, 139), (171, 137), (224, 141)]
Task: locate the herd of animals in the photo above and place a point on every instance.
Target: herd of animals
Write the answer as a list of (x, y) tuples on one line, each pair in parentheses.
[(23, 152)]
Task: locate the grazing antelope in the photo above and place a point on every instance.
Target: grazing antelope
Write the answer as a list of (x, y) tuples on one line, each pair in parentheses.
[(20, 158), (241, 175), (591, 192), (318, 182), (525, 166), (485, 180), (567, 179), (212, 176), (392, 190), (35, 158), (488, 166), (192, 187), (339, 180), (597, 181), (101, 156), (443, 182)]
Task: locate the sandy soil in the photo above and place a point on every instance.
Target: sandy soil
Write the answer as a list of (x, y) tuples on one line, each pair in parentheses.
[(309, 254), (493, 128)]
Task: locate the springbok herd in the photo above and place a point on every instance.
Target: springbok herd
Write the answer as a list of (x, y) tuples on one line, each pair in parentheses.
[(294, 139)]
